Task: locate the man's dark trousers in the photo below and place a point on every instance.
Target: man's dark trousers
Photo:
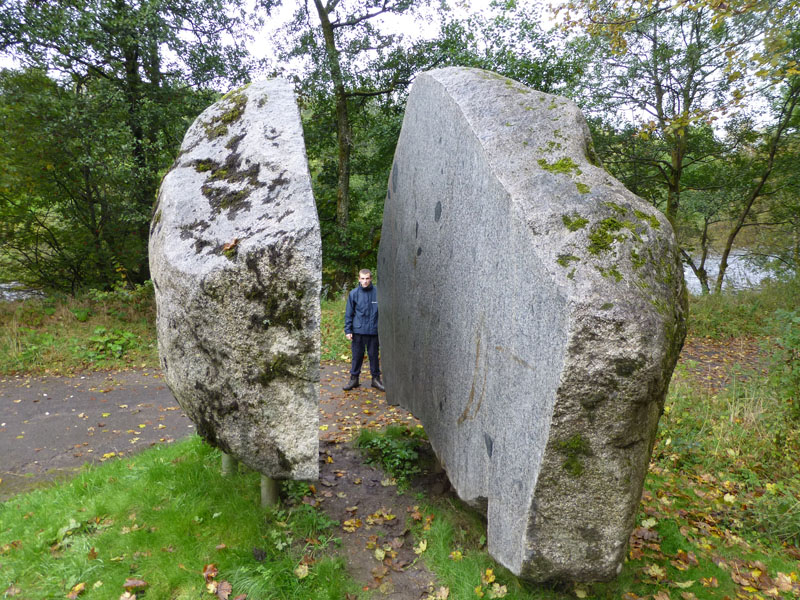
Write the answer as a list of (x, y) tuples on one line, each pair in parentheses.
[(370, 342)]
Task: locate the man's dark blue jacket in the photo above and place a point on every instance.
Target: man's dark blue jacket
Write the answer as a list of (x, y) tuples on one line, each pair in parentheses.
[(361, 314)]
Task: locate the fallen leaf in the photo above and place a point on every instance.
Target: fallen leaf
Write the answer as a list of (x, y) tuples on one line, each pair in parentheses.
[(220, 547), (92, 554), (456, 555), (12, 591), (683, 584), (76, 590), (497, 591), (655, 572), (301, 571), (134, 584), (661, 595), (421, 547), (224, 590), (209, 572), (380, 554)]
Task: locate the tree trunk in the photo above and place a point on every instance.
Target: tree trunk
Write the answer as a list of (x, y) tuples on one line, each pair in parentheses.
[(343, 129), (787, 110)]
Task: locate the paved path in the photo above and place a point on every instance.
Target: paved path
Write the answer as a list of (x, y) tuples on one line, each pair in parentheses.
[(50, 426)]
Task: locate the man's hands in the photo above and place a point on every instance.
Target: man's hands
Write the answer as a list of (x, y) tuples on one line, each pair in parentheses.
[(349, 336)]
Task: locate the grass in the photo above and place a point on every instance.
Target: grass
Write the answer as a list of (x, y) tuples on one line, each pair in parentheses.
[(107, 330), (161, 517), (334, 345), (99, 330), (741, 313)]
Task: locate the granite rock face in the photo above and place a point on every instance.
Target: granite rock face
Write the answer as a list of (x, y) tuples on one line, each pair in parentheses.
[(235, 257), (532, 311)]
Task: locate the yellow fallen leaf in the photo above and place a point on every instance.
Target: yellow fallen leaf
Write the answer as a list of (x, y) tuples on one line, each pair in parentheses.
[(729, 498), (421, 547), (456, 555), (580, 592), (323, 428), (380, 553), (301, 571), (104, 415)]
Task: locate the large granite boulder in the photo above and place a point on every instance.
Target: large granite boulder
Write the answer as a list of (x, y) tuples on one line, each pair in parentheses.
[(235, 257), (532, 310)]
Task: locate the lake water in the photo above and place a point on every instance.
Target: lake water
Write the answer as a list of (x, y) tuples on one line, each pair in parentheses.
[(739, 275)]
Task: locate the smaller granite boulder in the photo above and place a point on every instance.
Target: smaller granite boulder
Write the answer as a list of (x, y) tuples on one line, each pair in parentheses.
[(235, 257)]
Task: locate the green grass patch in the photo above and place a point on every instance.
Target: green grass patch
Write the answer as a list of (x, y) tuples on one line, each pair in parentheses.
[(334, 345), (161, 517), (741, 313), (98, 330), (398, 450)]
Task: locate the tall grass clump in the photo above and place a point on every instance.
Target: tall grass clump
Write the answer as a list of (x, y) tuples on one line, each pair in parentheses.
[(96, 330)]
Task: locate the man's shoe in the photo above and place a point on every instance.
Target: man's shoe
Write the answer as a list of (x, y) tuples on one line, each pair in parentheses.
[(353, 383), (378, 384)]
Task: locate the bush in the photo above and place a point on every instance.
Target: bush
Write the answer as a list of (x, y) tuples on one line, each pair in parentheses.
[(785, 358)]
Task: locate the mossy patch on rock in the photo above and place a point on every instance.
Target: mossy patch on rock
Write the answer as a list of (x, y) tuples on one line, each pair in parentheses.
[(563, 165), (583, 188), (604, 234), (218, 126), (574, 449), (565, 259), (649, 219), (574, 222)]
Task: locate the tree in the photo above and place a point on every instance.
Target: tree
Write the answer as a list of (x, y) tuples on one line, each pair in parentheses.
[(139, 60), (671, 70)]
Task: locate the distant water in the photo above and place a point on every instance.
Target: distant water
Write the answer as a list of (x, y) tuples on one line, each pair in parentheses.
[(739, 275), (13, 291)]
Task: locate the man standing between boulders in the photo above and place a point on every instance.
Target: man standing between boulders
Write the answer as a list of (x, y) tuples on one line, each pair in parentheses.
[(361, 328)]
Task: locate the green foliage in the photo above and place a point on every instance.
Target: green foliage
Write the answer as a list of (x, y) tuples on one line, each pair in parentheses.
[(743, 312), (746, 435), (161, 517), (396, 450), (99, 329), (93, 124), (785, 357)]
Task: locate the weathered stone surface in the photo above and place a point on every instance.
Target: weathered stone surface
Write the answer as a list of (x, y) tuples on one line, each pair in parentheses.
[(532, 310), (235, 256)]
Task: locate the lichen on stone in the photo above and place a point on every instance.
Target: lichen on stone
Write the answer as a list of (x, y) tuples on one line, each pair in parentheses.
[(582, 187)]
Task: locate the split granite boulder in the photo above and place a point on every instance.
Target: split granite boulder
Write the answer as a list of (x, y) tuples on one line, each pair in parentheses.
[(235, 257), (532, 311)]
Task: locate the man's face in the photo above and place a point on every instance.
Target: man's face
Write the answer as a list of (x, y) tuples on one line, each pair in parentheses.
[(364, 280)]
